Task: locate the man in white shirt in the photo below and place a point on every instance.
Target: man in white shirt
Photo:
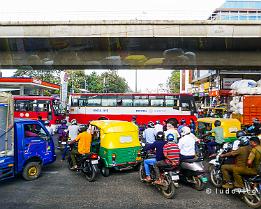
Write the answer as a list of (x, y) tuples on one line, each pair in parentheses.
[(73, 130), (148, 134), (158, 127), (187, 144), (48, 127)]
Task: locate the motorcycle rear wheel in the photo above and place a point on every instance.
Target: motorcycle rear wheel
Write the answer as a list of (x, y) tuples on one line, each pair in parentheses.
[(198, 185), (254, 201), (91, 175), (170, 191)]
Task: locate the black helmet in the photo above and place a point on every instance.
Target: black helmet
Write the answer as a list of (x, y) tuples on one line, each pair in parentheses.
[(74, 122), (47, 122), (240, 134), (157, 121), (64, 121), (183, 121), (82, 128), (256, 121), (160, 136), (217, 123), (151, 124)]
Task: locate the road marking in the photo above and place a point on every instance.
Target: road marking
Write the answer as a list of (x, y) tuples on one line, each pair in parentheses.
[(50, 172)]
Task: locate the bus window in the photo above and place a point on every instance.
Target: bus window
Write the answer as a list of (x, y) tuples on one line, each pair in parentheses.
[(156, 101), (94, 101), (125, 101), (42, 105), (74, 102), (82, 103), (185, 106), (187, 103), (172, 101), (141, 101), (109, 101)]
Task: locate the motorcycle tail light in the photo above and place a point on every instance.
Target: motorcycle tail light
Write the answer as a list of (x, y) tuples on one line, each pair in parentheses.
[(113, 156), (138, 153), (94, 156)]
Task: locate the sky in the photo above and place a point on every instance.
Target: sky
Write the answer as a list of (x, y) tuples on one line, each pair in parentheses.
[(111, 9)]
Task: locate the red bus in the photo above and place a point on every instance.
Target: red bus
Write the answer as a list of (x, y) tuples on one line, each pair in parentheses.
[(33, 106), (120, 106)]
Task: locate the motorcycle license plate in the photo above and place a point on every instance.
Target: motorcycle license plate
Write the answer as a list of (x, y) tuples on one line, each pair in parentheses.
[(63, 142), (175, 178), (94, 161)]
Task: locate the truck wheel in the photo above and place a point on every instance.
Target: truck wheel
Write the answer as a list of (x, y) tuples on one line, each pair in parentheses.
[(31, 171)]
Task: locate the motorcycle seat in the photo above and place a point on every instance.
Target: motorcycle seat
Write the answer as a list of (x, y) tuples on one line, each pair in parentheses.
[(191, 160)]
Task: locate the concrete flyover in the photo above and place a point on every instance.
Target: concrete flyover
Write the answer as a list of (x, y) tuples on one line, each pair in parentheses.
[(130, 28)]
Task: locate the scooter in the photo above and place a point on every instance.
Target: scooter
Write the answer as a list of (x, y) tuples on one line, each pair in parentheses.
[(87, 164), (169, 174), (192, 171)]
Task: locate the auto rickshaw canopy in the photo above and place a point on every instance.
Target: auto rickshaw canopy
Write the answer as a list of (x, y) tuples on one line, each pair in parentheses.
[(114, 126)]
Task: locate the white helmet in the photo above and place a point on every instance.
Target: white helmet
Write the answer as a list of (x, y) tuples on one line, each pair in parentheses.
[(185, 131)]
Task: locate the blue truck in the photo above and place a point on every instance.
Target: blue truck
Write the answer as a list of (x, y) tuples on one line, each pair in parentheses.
[(25, 145)]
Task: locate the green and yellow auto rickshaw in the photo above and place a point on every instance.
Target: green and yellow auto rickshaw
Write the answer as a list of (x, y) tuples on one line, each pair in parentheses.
[(117, 143), (230, 126)]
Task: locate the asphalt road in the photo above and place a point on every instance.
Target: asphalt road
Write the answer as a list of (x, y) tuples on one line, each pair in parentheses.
[(60, 188)]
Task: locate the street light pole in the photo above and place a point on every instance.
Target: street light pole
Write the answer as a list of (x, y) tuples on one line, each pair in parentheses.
[(136, 80)]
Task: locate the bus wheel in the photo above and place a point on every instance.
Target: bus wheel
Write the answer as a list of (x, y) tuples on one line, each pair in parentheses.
[(32, 171)]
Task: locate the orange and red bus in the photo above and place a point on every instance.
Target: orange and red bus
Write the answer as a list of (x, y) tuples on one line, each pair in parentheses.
[(48, 107), (85, 107)]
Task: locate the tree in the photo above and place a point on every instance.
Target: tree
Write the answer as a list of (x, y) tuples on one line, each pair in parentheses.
[(174, 81), (52, 76), (94, 83), (113, 83)]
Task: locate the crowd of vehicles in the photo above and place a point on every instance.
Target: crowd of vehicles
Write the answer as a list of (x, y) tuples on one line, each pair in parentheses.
[(115, 143)]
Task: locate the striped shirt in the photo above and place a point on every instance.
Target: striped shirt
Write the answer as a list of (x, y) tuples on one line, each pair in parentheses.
[(171, 152)]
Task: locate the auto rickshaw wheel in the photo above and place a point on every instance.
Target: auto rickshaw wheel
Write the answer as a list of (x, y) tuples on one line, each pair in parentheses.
[(105, 171), (31, 171)]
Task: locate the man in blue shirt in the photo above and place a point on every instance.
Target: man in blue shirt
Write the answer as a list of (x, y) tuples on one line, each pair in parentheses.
[(158, 145)]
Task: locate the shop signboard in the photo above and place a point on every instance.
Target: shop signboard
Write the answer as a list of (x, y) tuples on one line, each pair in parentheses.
[(227, 82)]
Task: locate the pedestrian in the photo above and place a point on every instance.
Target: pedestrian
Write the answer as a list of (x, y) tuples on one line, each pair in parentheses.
[(192, 126), (164, 125)]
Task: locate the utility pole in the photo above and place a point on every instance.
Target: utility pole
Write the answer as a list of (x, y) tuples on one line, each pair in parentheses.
[(136, 80)]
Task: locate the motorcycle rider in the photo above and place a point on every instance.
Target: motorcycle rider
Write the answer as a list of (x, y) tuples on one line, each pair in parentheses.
[(253, 163), (171, 154), (158, 145), (84, 140), (219, 137), (187, 144), (255, 128), (241, 156), (181, 125), (48, 127), (73, 129), (171, 129), (61, 130), (158, 127), (148, 134)]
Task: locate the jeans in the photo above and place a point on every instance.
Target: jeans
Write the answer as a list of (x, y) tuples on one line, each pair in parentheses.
[(147, 164), (66, 149), (211, 146)]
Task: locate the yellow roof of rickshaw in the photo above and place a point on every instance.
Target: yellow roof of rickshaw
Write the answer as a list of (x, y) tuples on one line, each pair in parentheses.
[(110, 126), (222, 120)]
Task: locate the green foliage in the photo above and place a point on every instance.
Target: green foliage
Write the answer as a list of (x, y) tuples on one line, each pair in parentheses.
[(174, 81)]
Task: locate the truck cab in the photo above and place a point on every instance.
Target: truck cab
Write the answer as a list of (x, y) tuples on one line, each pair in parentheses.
[(24, 149)]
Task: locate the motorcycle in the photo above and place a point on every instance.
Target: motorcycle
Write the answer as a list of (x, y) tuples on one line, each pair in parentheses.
[(251, 194), (87, 164), (192, 171), (63, 137), (168, 174)]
